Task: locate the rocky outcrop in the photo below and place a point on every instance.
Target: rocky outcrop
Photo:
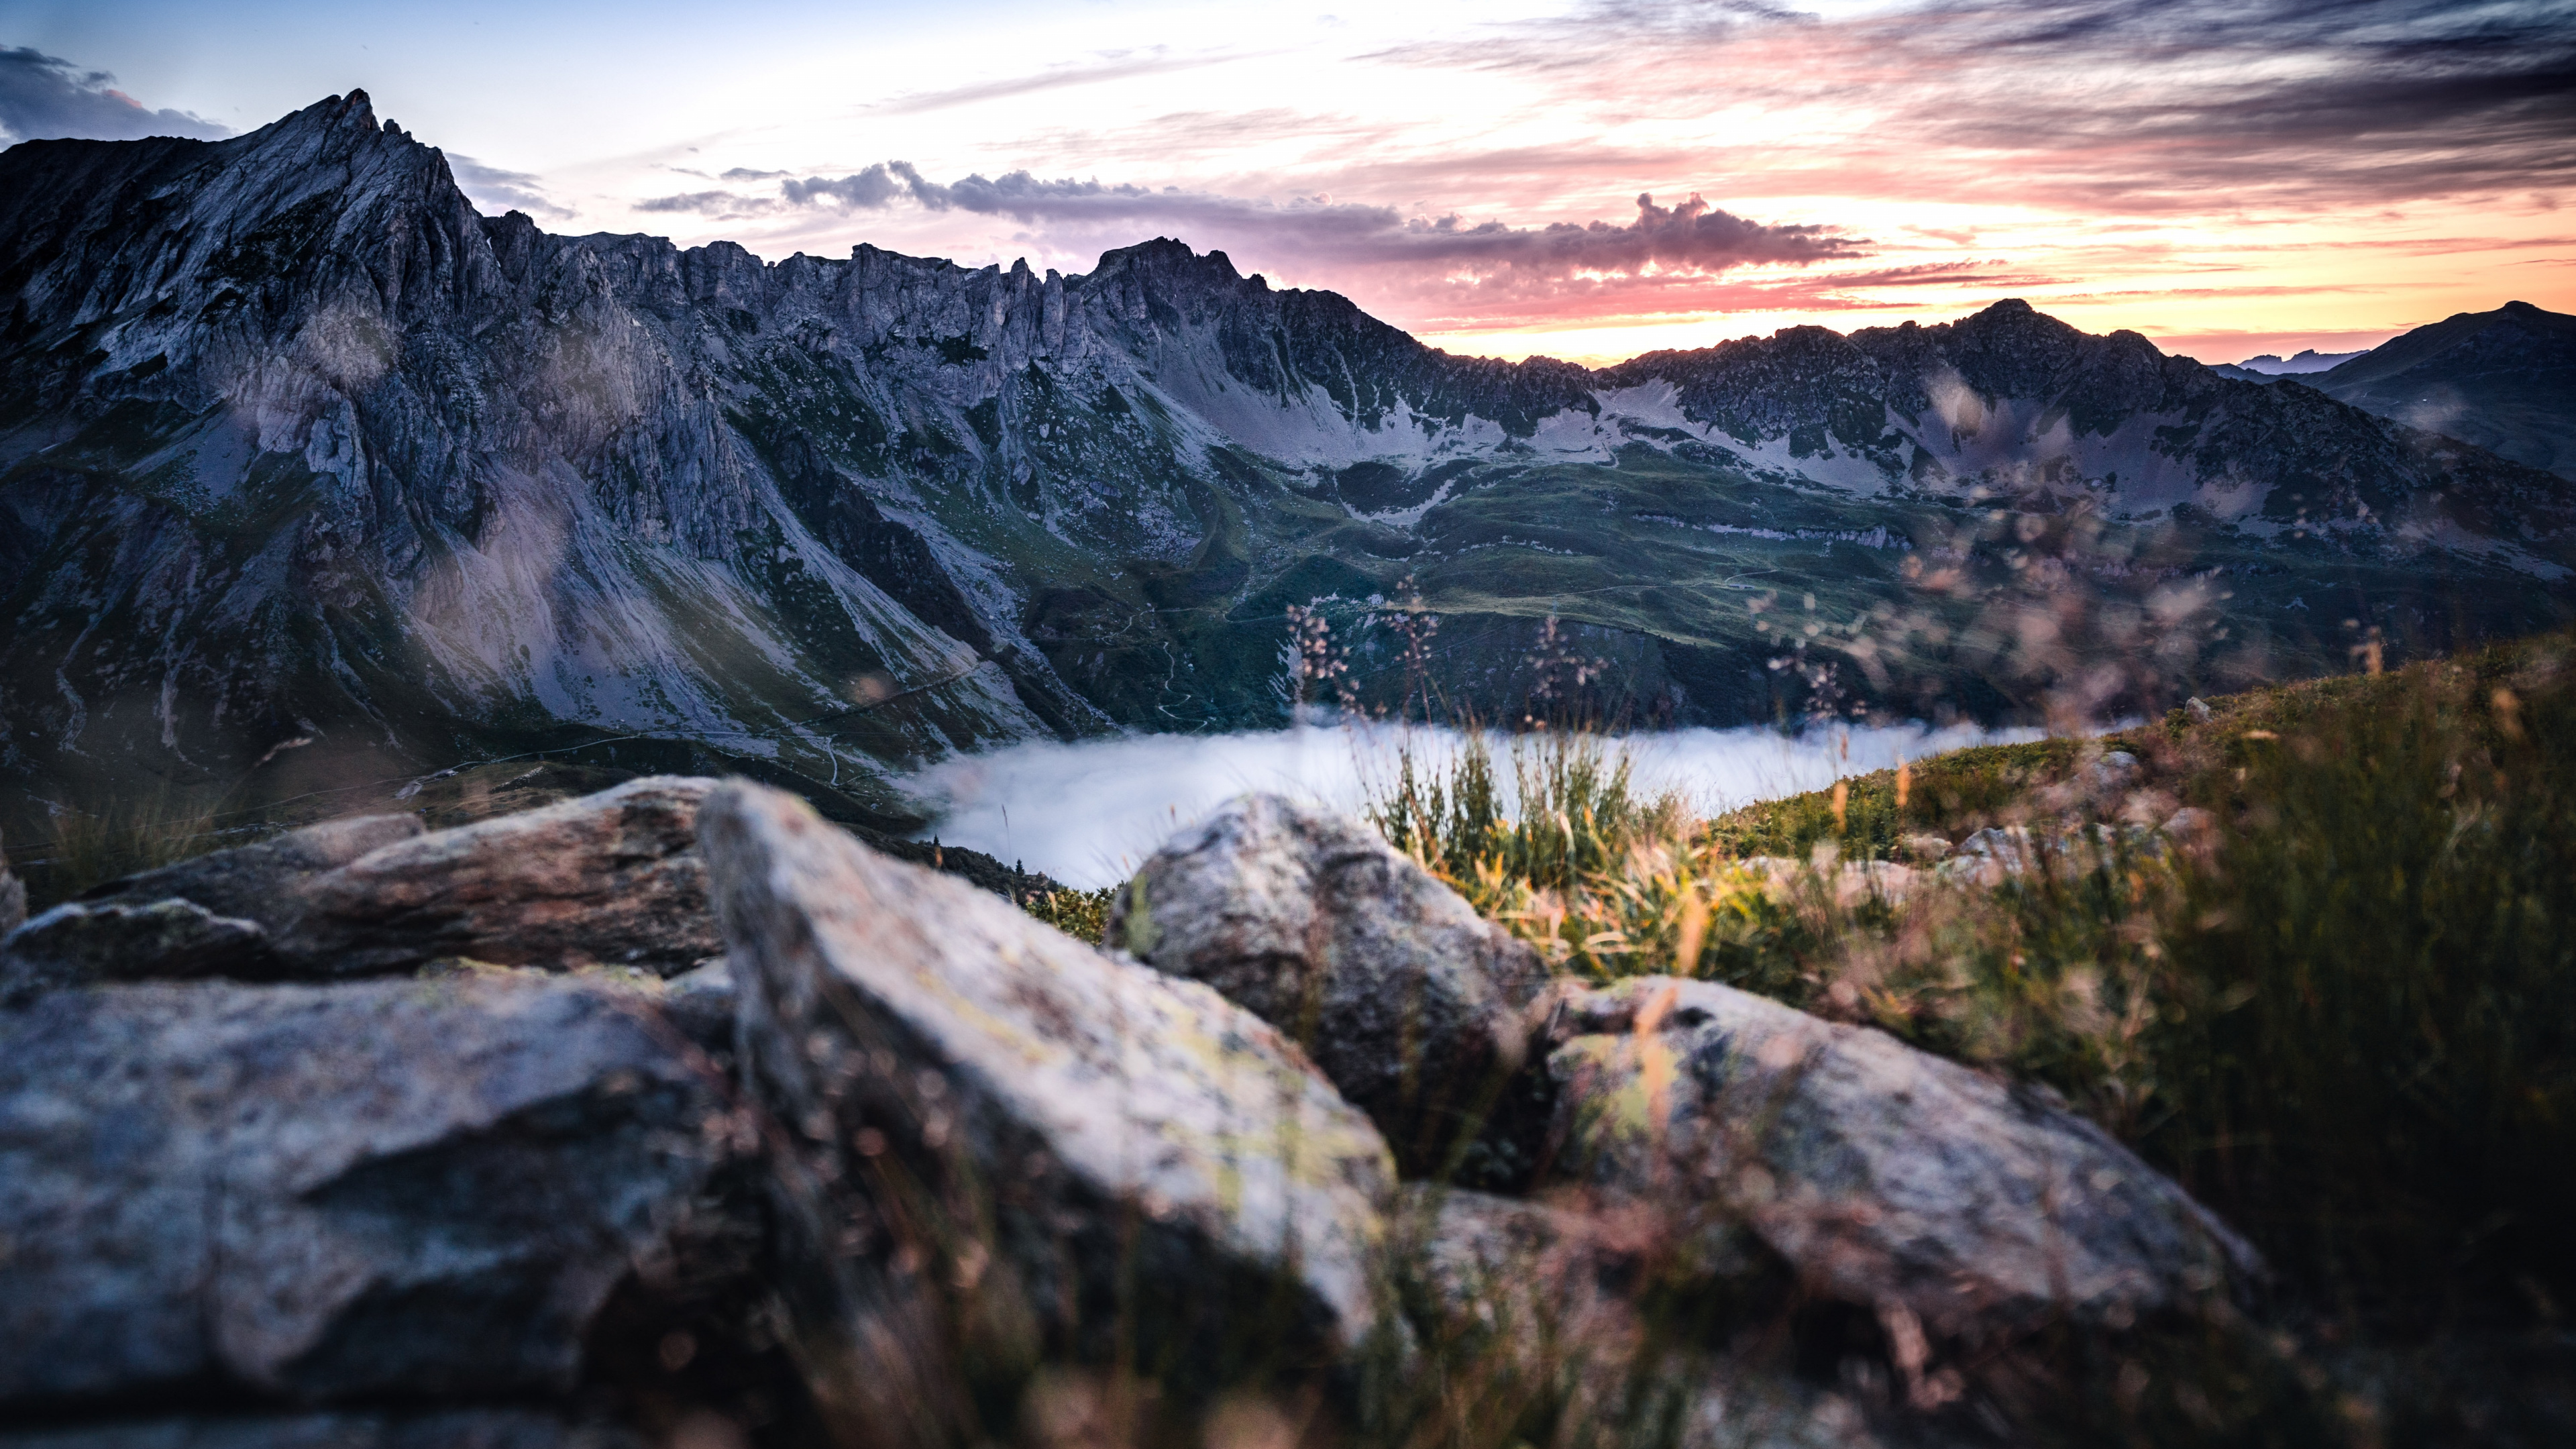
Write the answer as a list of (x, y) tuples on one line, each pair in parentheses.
[(1544, 1309), (388, 1189), (609, 879), (995, 1126), (80, 944), (1885, 1176), (1417, 1007)]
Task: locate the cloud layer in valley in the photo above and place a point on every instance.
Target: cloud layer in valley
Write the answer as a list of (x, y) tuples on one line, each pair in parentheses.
[(1089, 813)]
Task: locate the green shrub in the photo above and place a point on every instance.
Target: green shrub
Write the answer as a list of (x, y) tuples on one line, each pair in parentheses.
[(1083, 915)]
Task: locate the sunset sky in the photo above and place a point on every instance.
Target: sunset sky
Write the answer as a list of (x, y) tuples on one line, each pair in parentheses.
[(2228, 177)]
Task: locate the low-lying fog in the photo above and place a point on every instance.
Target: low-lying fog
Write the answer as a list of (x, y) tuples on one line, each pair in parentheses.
[(1087, 813)]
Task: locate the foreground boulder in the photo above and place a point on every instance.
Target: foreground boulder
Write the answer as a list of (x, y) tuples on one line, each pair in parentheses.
[(610, 879), (1885, 1176), (378, 1190), (1417, 1007), (1007, 1146)]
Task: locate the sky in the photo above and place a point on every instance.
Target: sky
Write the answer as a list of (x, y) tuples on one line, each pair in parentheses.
[(1585, 179)]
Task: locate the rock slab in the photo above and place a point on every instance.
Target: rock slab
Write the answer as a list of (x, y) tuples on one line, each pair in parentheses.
[(80, 943), (610, 879), (211, 916), (1416, 1006), (1008, 1144), (1884, 1175), (382, 1189)]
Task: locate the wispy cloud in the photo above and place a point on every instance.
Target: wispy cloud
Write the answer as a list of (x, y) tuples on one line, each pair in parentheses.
[(44, 97), (494, 189), (2134, 105), (1094, 71)]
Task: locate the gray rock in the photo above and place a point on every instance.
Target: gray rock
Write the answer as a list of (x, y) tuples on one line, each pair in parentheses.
[(2190, 824), (80, 943), (1992, 855), (430, 1429), (1417, 1007), (2111, 774), (1886, 1176), (1516, 1275), (260, 882), (379, 1189), (1825, 877), (609, 879), (1009, 1145)]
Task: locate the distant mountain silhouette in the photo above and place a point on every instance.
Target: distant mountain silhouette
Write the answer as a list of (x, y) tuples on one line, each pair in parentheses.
[(2272, 364)]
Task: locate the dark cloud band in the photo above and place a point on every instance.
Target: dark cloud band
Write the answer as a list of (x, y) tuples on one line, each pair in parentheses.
[(1690, 238), (2135, 105), (44, 97)]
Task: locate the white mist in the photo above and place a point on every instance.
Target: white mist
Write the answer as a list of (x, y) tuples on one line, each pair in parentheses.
[(1088, 813)]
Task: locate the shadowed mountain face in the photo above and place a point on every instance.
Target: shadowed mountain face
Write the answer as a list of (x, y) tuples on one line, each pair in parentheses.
[(2504, 380), (296, 447)]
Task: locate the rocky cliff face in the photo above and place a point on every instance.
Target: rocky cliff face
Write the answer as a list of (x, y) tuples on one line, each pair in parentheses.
[(311, 475)]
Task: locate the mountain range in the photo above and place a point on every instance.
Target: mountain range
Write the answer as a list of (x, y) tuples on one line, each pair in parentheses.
[(313, 479), (2274, 365)]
